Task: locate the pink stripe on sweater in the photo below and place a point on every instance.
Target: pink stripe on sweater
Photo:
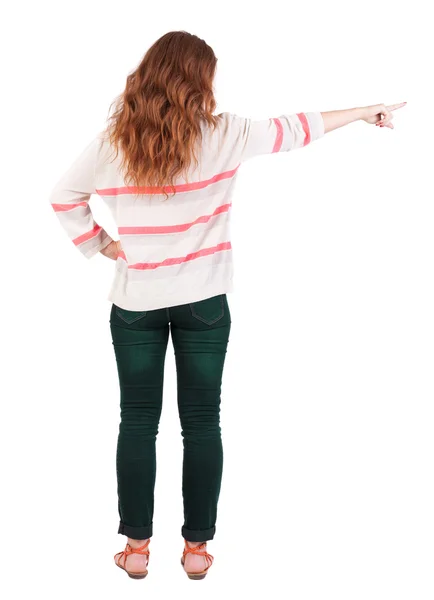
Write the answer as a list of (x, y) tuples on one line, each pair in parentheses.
[(181, 259), (63, 207), (87, 236), (182, 187), (279, 135), (306, 128), (172, 228)]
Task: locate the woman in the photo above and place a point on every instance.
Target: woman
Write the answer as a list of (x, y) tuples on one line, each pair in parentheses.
[(166, 167)]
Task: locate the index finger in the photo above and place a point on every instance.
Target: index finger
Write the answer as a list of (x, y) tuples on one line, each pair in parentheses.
[(395, 106)]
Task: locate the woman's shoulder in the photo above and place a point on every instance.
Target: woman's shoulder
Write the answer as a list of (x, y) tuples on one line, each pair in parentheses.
[(231, 122), (107, 156), (229, 117)]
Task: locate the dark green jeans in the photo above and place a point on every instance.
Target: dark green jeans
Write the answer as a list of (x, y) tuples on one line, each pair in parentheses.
[(200, 334)]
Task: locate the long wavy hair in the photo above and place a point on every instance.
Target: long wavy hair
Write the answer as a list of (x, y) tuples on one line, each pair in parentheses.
[(156, 120)]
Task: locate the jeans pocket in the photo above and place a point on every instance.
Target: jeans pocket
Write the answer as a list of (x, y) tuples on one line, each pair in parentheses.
[(208, 311), (130, 316)]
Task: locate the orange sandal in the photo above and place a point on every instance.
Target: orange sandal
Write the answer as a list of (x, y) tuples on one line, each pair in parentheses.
[(130, 550), (197, 550)]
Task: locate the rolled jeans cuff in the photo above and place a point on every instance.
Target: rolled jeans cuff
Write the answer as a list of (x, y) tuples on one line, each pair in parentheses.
[(197, 535), (135, 533)]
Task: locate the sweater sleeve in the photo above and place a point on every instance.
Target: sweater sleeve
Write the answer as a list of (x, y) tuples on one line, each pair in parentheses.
[(70, 201), (278, 134)]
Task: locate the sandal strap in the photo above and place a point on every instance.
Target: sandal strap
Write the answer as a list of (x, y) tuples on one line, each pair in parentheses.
[(130, 550), (198, 550)]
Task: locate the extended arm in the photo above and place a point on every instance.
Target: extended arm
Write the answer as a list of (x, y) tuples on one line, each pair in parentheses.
[(290, 131), (377, 114)]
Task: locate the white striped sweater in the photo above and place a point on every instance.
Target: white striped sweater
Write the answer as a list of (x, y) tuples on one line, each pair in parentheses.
[(178, 250)]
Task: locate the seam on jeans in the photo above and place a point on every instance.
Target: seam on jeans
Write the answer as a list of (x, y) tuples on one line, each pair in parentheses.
[(141, 315), (208, 322), (228, 312), (168, 313)]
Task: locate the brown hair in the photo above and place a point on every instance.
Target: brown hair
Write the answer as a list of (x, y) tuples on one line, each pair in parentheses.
[(157, 118)]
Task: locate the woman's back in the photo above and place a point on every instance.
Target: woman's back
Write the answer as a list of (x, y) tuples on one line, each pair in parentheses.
[(175, 250)]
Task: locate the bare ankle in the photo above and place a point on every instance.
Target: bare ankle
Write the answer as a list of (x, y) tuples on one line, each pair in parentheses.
[(136, 543), (193, 544)]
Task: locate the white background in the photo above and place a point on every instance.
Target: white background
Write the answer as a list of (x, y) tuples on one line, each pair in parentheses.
[(327, 403)]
